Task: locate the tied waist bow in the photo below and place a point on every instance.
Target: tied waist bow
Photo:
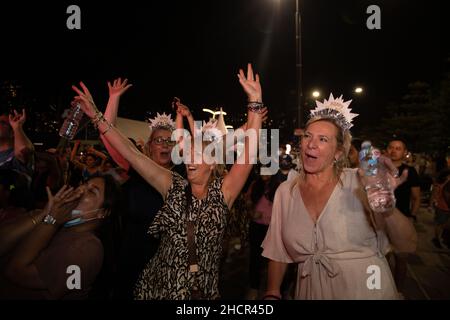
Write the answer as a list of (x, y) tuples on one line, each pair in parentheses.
[(318, 260)]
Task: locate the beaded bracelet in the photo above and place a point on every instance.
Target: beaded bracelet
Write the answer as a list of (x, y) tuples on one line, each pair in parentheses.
[(98, 117), (110, 125), (255, 107)]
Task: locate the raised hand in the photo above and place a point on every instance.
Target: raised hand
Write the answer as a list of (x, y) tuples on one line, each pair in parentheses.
[(118, 88), (394, 179), (250, 84), (85, 99), (60, 205), (181, 108), (17, 120)]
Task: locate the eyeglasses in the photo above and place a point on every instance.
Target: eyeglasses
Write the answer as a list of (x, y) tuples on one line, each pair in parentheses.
[(161, 140)]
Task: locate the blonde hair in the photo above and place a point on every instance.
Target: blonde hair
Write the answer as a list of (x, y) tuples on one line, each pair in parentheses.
[(219, 168), (344, 141)]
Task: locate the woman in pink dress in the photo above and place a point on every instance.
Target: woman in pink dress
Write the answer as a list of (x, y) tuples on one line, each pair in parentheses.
[(322, 221)]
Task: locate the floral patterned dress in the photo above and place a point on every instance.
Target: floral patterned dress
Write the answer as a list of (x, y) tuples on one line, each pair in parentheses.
[(167, 275)]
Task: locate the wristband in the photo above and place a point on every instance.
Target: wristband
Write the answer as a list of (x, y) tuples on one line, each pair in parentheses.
[(255, 107)]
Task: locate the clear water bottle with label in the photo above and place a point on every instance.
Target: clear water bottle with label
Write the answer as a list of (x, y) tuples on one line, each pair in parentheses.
[(72, 123), (376, 182)]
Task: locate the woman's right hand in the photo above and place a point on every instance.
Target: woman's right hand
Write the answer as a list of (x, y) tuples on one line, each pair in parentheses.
[(86, 101), (181, 108), (60, 205)]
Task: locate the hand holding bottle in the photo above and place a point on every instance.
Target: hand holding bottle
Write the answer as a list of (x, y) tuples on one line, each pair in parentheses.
[(379, 177)]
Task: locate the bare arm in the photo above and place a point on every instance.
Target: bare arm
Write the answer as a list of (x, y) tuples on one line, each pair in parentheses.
[(116, 90), (183, 111), (116, 156), (159, 177), (22, 145), (399, 229), (21, 268), (13, 231), (73, 154), (275, 275), (235, 180)]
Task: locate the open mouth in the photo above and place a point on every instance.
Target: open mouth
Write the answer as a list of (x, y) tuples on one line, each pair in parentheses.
[(310, 157), (191, 168)]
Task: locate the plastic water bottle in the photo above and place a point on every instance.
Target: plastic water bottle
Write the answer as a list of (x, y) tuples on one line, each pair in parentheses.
[(72, 123), (379, 191)]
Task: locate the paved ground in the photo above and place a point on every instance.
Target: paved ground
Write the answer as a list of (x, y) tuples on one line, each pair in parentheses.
[(428, 269)]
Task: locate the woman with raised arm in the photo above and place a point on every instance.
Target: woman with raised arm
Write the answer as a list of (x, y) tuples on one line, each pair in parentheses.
[(194, 216), (141, 201)]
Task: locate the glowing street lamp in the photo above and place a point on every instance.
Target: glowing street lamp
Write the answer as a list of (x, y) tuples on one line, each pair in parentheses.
[(316, 94), (359, 90)]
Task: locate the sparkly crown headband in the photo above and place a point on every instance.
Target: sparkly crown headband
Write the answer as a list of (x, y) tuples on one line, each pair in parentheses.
[(209, 131), (161, 121), (336, 109)]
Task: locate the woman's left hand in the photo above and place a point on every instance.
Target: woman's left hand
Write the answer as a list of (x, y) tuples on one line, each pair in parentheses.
[(392, 172), (250, 84)]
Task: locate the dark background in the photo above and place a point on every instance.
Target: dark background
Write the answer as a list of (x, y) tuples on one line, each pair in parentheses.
[(193, 50)]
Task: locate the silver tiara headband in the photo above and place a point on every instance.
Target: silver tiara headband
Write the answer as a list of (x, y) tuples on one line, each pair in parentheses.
[(209, 131), (161, 121), (336, 109)]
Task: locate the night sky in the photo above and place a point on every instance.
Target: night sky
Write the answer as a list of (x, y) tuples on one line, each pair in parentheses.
[(193, 50)]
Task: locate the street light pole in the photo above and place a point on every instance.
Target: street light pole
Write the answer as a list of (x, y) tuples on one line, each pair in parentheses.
[(298, 46)]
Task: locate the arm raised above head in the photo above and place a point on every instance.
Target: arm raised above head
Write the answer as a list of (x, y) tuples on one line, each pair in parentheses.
[(235, 180), (159, 177)]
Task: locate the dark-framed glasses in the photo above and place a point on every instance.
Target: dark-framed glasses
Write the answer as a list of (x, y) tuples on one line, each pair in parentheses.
[(161, 140)]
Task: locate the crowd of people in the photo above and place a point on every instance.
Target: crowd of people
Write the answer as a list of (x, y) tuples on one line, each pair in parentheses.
[(140, 227)]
